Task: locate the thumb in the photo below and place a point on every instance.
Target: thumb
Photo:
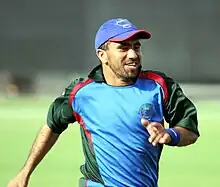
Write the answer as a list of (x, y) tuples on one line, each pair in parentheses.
[(144, 122)]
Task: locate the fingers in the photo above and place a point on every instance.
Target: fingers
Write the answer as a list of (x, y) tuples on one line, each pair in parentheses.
[(157, 139), (165, 139), (157, 133), (153, 131), (162, 138)]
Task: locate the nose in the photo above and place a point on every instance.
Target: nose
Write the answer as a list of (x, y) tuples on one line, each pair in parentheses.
[(132, 54)]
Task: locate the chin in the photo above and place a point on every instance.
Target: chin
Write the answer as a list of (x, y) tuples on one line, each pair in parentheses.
[(134, 74), (131, 77)]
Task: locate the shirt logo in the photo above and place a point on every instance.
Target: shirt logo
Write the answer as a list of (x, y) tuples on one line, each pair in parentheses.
[(146, 111), (123, 23)]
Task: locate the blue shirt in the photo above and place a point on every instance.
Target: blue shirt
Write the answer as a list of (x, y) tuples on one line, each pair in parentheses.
[(115, 143), (112, 117)]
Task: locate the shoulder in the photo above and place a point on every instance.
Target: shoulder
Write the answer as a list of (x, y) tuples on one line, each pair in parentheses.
[(75, 86), (150, 74), (156, 76), (159, 77), (71, 85), (166, 82)]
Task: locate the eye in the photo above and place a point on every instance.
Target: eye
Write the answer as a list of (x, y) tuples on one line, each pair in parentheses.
[(137, 47), (124, 48)]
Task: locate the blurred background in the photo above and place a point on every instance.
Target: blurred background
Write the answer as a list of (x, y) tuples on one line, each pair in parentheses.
[(45, 44)]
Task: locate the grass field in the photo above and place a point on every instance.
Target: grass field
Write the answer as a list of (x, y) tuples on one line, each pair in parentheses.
[(194, 166)]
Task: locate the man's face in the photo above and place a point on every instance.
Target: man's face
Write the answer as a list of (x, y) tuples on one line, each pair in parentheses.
[(124, 58)]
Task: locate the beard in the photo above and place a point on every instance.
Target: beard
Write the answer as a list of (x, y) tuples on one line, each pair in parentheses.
[(125, 74)]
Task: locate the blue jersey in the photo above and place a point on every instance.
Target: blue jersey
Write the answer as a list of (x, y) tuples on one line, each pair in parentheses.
[(115, 143), (112, 116)]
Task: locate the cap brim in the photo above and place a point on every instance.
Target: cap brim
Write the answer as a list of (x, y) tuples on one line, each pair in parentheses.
[(141, 34)]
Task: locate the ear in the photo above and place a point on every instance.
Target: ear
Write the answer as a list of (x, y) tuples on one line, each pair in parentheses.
[(102, 55)]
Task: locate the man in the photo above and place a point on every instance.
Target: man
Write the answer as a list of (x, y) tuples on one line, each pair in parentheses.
[(121, 111)]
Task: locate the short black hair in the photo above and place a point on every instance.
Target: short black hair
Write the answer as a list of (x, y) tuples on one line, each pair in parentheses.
[(104, 46)]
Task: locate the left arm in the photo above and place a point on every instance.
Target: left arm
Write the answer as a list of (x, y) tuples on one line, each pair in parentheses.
[(181, 115), (186, 137)]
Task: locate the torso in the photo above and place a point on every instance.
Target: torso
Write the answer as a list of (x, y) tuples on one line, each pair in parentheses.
[(112, 116)]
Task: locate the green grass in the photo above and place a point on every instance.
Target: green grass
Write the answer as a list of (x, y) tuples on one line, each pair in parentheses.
[(197, 165)]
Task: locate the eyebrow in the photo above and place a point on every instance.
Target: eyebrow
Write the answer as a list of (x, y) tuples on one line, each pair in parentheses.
[(121, 44)]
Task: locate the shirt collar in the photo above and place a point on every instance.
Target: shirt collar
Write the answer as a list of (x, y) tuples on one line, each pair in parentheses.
[(96, 74)]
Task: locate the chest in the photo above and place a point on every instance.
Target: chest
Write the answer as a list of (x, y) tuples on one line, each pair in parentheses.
[(119, 108)]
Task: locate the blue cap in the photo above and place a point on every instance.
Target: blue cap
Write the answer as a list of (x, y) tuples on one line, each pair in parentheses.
[(117, 30)]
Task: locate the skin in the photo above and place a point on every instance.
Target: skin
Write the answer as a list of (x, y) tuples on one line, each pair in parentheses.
[(121, 64)]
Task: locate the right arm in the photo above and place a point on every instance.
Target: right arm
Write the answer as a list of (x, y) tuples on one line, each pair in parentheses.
[(60, 114), (43, 143)]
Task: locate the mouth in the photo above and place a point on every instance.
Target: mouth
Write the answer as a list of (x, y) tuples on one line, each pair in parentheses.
[(134, 65)]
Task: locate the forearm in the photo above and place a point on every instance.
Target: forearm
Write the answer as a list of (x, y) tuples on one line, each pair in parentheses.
[(42, 144), (186, 137)]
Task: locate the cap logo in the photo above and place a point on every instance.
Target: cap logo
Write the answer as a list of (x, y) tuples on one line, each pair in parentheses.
[(123, 23)]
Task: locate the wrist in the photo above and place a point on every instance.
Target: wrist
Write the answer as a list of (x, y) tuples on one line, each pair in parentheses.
[(26, 173), (174, 135)]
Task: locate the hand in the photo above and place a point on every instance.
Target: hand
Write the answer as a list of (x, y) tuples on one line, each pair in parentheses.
[(21, 180), (157, 132)]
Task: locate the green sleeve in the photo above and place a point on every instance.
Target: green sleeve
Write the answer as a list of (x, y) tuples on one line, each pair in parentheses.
[(178, 109), (60, 112)]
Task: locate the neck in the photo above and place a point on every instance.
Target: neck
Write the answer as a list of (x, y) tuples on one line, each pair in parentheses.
[(112, 79)]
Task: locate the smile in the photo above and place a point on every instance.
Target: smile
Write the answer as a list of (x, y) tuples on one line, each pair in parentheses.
[(133, 65)]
